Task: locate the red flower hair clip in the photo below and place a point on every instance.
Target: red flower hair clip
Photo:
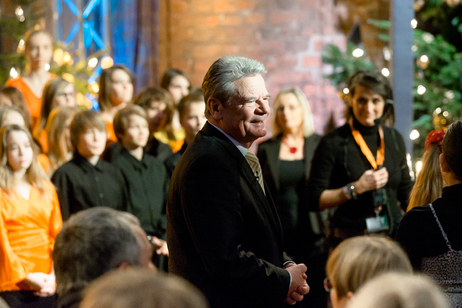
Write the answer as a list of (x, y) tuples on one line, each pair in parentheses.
[(434, 137)]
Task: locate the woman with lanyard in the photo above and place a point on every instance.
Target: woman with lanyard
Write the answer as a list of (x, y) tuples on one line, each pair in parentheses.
[(360, 169)]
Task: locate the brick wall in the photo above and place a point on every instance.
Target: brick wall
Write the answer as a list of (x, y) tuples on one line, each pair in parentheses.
[(286, 36)]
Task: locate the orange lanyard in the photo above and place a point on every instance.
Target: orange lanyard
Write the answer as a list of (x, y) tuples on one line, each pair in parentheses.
[(365, 149)]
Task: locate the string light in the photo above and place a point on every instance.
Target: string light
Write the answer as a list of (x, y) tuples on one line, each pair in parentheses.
[(414, 48), (68, 77), (449, 94), (95, 87), (67, 57), (19, 12), (47, 67), (13, 73), (428, 37), (385, 72), (418, 166), (421, 90), (346, 91), (386, 53), (21, 46), (106, 62), (414, 24), (358, 52), (414, 134), (423, 61), (92, 62)]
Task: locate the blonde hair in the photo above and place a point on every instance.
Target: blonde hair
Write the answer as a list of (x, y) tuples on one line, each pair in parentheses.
[(358, 259), (121, 119), (308, 127), (5, 110), (52, 87), (34, 174), (18, 100), (57, 144), (429, 182), (398, 290)]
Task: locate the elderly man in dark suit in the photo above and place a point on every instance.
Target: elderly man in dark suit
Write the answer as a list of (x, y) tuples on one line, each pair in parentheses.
[(223, 230)]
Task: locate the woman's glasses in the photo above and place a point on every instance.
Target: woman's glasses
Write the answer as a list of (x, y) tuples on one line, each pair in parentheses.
[(327, 284)]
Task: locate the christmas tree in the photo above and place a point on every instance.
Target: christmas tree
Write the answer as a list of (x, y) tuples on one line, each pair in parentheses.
[(438, 58)]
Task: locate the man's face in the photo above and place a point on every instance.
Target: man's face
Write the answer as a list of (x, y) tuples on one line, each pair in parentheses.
[(244, 118)]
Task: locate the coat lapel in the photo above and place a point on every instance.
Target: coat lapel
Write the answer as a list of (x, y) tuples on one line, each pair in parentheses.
[(266, 200)]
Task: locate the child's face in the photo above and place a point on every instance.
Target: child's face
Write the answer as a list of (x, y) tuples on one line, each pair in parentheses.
[(193, 119), (65, 97), (121, 87), (178, 88), (92, 142), (156, 115), (19, 150), (136, 134)]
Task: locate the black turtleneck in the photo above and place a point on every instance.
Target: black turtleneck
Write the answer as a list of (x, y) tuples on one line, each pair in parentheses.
[(370, 135)]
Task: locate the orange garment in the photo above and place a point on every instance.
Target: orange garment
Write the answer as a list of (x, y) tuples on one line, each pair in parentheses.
[(43, 141), (175, 144), (34, 102), (111, 136), (28, 229)]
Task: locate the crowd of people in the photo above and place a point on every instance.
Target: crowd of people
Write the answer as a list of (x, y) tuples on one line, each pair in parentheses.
[(156, 200)]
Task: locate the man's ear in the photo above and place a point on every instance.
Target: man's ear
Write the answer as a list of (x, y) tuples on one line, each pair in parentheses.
[(216, 108), (123, 265)]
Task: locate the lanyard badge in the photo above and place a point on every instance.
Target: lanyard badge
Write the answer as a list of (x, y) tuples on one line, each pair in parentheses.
[(379, 196)]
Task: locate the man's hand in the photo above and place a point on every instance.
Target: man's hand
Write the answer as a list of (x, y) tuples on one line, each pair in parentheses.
[(298, 288), (160, 246)]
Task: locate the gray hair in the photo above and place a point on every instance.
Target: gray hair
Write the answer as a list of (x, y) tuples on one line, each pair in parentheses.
[(142, 289), (91, 243), (219, 82), (308, 126)]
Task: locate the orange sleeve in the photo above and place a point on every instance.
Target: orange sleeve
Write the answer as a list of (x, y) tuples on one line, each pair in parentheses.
[(111, 137), (43, 140), (12, 270), (56, 221), (33, 102)]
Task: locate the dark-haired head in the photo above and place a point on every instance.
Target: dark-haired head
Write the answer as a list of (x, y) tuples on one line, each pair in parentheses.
[(109, 96), (452, 148), (177, 83), (368, 86), (372, 80)]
